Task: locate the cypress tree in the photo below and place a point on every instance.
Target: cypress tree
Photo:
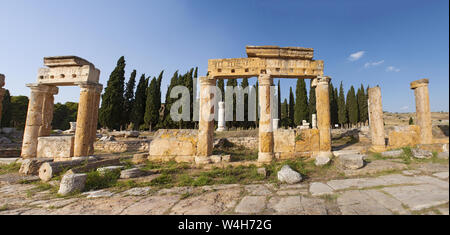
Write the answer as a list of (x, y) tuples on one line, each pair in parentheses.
[(301, 103), (334, 106), (246, 123), (6, 110), (129, 98), (158, 96), (168, 122), (291, 107), (285, 113), (364, 112), (352, 106), (140, 98), (342, 110), (111, 111), (151, 116), (312, 101)]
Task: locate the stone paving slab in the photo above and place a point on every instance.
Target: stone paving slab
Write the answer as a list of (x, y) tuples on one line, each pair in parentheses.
[(418, 197), (387, 201), (358, 203), (319, 189), (441, 175), (155, 205), (258, 190), (251, 205), (290, 205)]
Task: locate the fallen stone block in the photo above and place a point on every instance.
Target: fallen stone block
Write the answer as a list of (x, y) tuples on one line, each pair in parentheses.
[(226, 158), (216, 158), (443, 155), (131, 173), (140, 158), (392, 153), (7, 161), (31, 166), (287, 175), (105, 169), (71, 183), (421, 154), (351, 161), (202, 160), (322, 160)]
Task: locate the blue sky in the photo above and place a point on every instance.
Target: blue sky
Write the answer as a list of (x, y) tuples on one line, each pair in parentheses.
[(392, 42)]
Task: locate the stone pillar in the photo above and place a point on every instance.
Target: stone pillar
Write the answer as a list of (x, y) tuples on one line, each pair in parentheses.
[(36, 118), (206, 120), (266, 142), (221, 116), (2, 93), (47, 111), (323, 112), (376, 120), (93, 128), (314, 121), (423, 114), (85, 116)]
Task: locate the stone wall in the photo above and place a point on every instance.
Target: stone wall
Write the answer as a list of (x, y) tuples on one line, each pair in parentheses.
[(246, 142), (403, 136), (122, 146), (178, 145)]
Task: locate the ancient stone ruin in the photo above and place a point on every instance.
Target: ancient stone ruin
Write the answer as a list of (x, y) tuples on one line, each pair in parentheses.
[(62, 71)]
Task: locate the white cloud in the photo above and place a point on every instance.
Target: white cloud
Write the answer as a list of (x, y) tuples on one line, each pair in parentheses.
[(373, 64), (392, 69), (356, 56), (404, 108)]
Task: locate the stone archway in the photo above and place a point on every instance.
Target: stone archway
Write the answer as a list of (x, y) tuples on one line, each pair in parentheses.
[(266, 63), (62, 71)]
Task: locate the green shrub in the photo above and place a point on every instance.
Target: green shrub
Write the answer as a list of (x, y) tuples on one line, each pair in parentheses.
[(96, 180)]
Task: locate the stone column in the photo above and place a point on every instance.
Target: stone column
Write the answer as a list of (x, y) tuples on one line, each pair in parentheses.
[(83, 133), (376, 120), (323, 112), (93, 128), (35, 118), (314, 121), (206, 119), (423, 114), (2, 93), (266, 142), (47, 111), (221, 116)]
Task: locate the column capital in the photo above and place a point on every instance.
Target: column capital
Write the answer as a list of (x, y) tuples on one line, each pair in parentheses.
[(35, 87), (320, 80), (265, 80), (419, 83), (88, 86), (207, 81)]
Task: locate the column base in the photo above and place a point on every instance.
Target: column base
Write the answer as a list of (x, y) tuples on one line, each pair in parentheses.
[(265, 157), (220, 129), (377, 148)]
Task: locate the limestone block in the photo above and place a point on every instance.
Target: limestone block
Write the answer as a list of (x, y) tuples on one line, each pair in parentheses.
[(131, 173), (322, 160), (105, 169), (404, 136), (284, 141), (56, 147), (443, 155), (307, 140), (226, 158), (173, 143), (287, 175), (392, 153), (351, 161), (421, 154), (216, 158), (71, 183), (139, 158)]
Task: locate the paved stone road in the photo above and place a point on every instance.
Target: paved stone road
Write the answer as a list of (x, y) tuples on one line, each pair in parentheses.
[(412, 192)]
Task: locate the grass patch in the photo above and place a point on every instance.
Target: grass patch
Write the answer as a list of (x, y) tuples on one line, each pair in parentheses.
[(10, 168), (164, 180), (96, 180)]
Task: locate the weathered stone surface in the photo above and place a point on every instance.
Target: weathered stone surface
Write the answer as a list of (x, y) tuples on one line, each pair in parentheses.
[(169, 144), (59, 148), (411, 172), (288, 192), (376, 166), (131, 173), (287, 175), (421, 154), (107, 138), (319, 189), (105, 169), (392, 153), (226, 158), (262, 171), (31, 166), (286, 205), (71, 183), (359, 203), (307, 141), (139, 158), (387, 201), (423, 113), (284, 141), (257, 190), (376, 119), (208, 203), (404, 136), (137, 191), (418, 197), (7, 161), (98, 193), (202, 160), (441, 175), (322, 160), (216, 158), (154, 205), (351, 161), (251, 205), (344, 152), (443, 155)]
